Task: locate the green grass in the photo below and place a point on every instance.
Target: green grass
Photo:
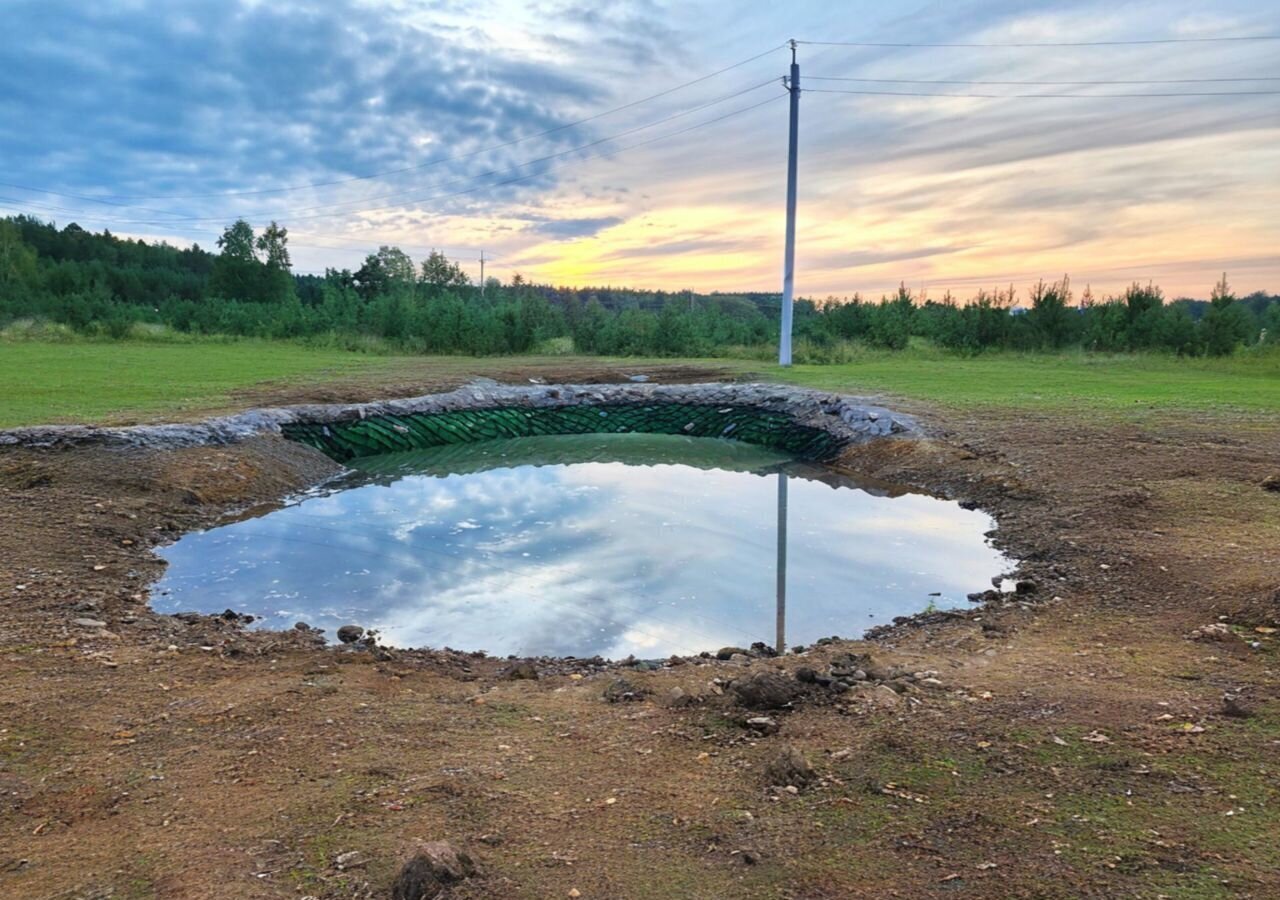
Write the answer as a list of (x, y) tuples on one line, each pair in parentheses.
[(89, 381), (1077, 381), (92, 382)]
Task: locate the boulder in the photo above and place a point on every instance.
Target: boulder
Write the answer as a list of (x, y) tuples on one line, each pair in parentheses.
[(521, 671), (622, 691), (434, 867), (349, 634), (764, 690)]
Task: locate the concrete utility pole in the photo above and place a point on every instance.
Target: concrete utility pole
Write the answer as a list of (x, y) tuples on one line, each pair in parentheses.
[(789, 255)]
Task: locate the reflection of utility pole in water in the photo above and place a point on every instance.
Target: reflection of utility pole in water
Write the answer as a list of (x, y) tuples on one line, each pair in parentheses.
[(781, 643)]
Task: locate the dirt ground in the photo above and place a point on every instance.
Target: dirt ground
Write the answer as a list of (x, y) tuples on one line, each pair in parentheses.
[(1074, 742)]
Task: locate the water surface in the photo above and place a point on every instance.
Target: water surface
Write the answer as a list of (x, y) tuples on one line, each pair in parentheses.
[(588, 544)]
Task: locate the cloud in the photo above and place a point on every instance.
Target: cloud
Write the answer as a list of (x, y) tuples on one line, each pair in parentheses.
[(567, 229), (649, 558), (151, 98)]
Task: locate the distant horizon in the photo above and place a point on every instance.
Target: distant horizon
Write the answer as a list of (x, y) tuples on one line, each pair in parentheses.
[(931, 291)]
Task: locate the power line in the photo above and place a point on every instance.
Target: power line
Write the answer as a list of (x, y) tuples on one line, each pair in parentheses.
[(1189, 40), (289, 217), (291, 213), (972, 81), (1043, 96), (443, 159)]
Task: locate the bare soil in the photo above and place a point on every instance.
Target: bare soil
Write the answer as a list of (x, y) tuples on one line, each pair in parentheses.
[(1078, 743)]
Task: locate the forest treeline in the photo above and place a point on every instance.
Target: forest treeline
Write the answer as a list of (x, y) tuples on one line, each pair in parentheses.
[(101, 284)]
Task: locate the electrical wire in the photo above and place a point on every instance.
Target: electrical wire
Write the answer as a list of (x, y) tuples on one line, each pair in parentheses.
[(289, 218), (970, 81), (1188, 40), (1043, 96), (443, 159), (292, 213)]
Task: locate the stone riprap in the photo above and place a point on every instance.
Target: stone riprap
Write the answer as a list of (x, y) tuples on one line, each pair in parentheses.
[(815, 424)]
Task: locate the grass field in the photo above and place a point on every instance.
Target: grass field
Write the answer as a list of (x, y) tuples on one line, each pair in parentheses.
[(88, 382), (1057, 381), (49, 382)]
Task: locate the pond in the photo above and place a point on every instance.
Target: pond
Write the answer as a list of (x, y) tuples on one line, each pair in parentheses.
[(584, 545)]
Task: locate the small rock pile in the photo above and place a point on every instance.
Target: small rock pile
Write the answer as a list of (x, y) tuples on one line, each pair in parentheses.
[(435, 866)]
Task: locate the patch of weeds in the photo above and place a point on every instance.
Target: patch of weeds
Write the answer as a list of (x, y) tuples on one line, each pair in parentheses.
[(506, 713), (718, 724), (1199, 885)]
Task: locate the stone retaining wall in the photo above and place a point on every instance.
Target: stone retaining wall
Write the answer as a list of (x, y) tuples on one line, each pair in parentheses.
[(812, 423)]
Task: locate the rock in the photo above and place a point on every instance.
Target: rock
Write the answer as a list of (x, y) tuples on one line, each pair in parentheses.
[(789, 768), (435, 866), (1215, 631), (89, 623), (740, 659), (1271, 483), (1236, 708), (968, 504), (680, 698), (521, 671), (764, 690), (349, 634), (638, 379), (876, 671), (806, 675), (884, 696), (763, 724), (763, 650), (352, 859), (1025, 586), (845, 664), (622, 691), (729, 652)]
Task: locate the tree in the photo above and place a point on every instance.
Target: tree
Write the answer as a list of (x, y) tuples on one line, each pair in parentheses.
[(387, 270), (1049, 317), (237, 272), (891, 320), (277, 280), (437, 271), (273, 244), (17, 261), (238, 243), (1225, 324)]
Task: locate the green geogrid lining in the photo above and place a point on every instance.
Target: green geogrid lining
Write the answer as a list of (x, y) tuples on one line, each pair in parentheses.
[(390, 434)]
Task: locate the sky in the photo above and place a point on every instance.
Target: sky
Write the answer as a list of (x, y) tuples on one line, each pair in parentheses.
[(563, 139)]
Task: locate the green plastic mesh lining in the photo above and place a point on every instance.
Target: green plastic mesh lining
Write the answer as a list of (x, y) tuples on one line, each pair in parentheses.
[(389, 434)]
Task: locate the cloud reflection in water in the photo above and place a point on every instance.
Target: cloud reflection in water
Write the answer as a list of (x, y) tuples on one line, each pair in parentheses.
[(631, 544)]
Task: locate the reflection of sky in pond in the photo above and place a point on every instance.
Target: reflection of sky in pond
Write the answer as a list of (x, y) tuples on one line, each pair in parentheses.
[(630, 544)]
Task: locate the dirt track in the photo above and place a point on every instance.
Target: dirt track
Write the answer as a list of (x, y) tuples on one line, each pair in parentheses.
[(1078, 744)]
